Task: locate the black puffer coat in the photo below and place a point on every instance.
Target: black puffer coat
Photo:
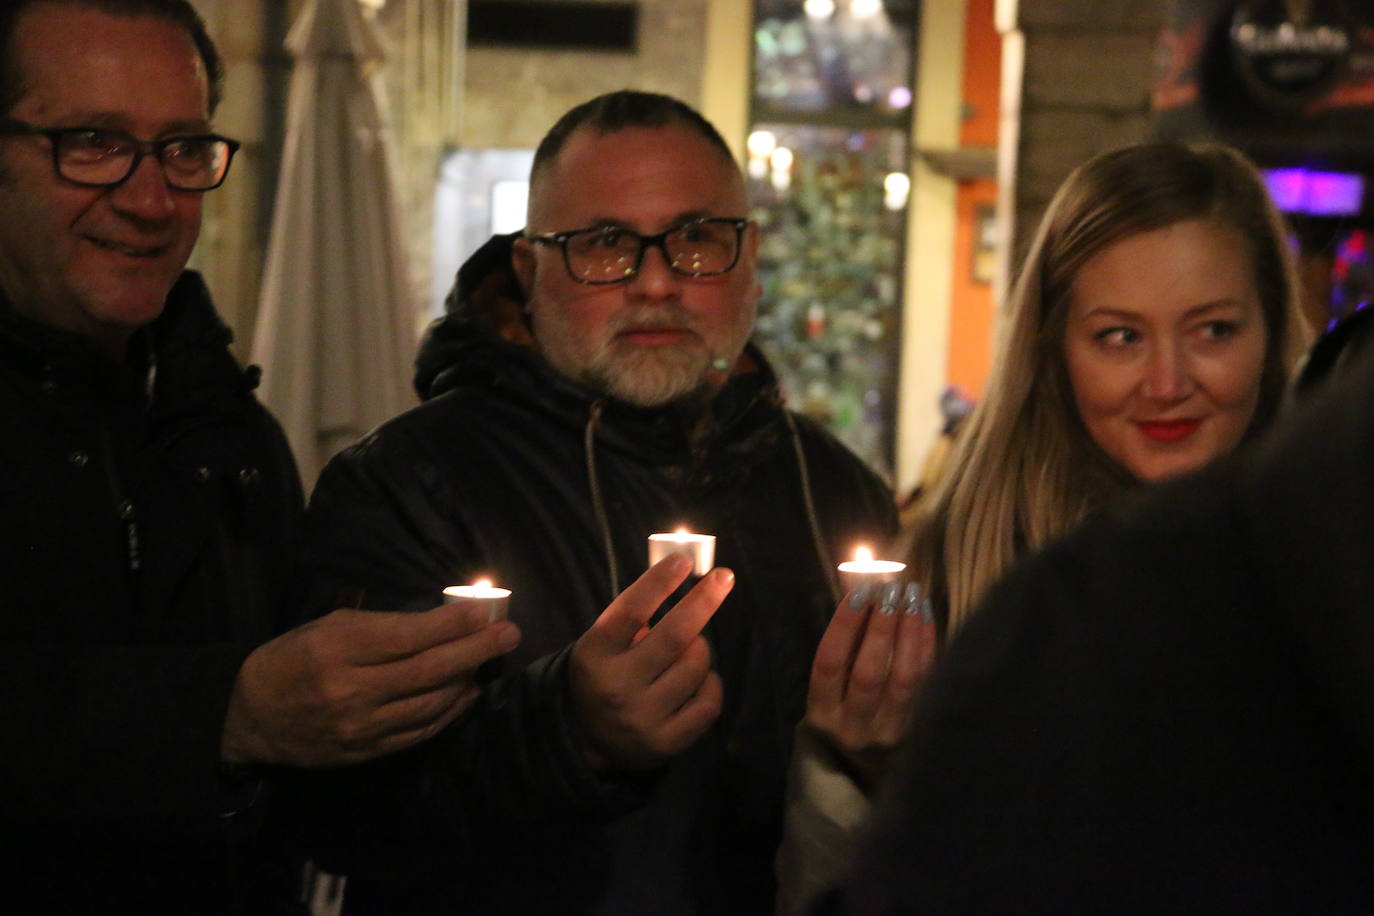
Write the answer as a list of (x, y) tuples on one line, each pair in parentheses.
[(506, 471), (146, 543)]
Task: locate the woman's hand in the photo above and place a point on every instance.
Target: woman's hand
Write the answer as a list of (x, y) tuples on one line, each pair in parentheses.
[(868, 667)]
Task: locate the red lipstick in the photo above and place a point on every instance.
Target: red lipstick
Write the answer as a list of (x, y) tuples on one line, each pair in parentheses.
[(1168, 430)]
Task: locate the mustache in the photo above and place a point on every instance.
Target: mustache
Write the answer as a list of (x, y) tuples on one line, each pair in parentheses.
[(668, 316)]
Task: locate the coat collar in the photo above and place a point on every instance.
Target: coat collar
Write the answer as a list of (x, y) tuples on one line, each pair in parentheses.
[(183, 353)]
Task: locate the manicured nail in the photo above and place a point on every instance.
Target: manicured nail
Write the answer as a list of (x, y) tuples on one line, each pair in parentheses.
[(859, 597), (927, 611), (911, 598), (888, 602)]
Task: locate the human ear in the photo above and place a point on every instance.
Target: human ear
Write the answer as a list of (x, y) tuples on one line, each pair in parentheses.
[(522, 263)]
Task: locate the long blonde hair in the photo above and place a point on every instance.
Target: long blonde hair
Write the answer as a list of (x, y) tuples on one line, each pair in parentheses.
[(1025, 469)]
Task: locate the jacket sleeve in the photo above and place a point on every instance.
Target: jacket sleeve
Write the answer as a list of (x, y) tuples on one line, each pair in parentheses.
[(824, 811), (513, 762)]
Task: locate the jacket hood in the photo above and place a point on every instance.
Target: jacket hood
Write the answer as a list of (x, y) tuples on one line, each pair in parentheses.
[(484, 327)]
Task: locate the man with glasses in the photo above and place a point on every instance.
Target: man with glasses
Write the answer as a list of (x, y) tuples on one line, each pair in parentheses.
[(592, 384), (149, 507)]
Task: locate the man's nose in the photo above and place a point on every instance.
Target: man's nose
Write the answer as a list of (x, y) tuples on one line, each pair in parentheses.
[(145, 193), (655, 279)]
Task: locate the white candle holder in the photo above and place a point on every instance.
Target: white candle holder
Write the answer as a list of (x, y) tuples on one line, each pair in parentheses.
[(864, 570), (699, 548), (494, 599)]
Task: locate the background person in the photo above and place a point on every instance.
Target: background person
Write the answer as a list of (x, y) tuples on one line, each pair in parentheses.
[(1152, 329), (593, 384), (149, 509)]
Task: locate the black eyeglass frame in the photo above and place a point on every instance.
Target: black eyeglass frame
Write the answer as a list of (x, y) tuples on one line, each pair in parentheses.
[(156, 148), (659, 241)]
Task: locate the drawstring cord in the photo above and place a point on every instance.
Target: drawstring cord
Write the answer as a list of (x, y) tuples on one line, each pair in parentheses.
[(810, 502), (598, 505)]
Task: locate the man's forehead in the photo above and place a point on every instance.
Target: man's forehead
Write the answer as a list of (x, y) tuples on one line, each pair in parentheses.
[(645, 178), (676, 142), (81, 64)]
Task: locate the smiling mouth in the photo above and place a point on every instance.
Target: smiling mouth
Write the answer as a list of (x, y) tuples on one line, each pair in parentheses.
[(131, 251), (1168, 430)]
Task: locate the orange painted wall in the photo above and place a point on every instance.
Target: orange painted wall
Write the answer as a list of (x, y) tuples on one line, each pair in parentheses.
[(982, 74), (971, 305)]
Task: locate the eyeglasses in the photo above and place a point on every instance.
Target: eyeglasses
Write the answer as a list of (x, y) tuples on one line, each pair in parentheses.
[(612, 254), (100, 158)]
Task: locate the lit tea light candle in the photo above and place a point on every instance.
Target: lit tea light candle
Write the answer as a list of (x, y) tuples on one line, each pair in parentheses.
[(483, 592), (699, 548), (864, 570)]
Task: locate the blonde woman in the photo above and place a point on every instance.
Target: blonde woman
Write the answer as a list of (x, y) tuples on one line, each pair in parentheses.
[(1152, 329)]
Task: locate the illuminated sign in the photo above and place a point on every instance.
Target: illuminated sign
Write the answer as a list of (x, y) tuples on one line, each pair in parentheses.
[(1289, 51), (1314, 193)]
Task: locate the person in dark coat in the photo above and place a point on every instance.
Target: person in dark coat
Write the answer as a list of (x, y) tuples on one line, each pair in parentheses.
[(1172, 711), (591, 385), (149, 507)]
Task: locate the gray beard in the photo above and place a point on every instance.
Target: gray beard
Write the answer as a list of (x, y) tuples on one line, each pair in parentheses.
[(650, 379)]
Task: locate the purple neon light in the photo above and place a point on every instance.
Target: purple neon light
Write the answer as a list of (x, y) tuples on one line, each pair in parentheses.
[(1316, 193)]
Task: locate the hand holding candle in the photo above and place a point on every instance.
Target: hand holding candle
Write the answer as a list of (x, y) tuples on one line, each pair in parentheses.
[(699, 548), (871, 660), (354, 685), (641, 694)]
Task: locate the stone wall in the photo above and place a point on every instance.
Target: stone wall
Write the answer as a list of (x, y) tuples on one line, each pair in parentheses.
[(512, 96), (248, 34), (1082, 86)]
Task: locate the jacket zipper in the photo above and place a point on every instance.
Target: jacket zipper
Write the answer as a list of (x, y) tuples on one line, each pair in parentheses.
[(124, 506)]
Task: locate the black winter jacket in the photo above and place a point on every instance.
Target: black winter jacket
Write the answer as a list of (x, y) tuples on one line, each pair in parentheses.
[(506, 471), (146, 540)]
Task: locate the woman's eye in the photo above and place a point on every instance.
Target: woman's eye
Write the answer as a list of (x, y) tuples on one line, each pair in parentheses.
[(1219, 330), (1116, 337)]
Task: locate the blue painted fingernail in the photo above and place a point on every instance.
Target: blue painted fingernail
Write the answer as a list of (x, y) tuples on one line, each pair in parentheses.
[(888, 602), (859, 597), (927, 611), (911, 598)]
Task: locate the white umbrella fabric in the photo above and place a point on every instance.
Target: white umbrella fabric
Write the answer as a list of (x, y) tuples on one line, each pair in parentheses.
[(335, 329)]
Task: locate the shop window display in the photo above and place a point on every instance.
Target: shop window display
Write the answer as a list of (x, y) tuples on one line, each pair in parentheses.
[(828, 156)]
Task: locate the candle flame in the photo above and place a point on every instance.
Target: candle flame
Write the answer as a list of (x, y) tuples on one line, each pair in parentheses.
[(863, 555), (682, 530), (482, 583)]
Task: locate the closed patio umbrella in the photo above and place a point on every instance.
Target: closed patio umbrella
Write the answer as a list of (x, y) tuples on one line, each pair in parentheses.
[(335, 329)]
